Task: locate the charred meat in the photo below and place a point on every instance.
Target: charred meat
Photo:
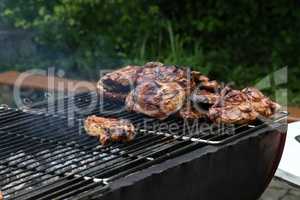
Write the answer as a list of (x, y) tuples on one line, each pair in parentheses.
[(189, 112), (165, 74), (261, 104), (233, 107), (159, 90), (156, 99), (204, 97), (109, 129), (207, 84), (119, 83)]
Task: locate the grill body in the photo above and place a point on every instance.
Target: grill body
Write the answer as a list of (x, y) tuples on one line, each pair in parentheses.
[(239, 170), (42, 157)]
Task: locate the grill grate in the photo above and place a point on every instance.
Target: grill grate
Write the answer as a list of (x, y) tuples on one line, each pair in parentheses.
[(196, 131), (42, 156)]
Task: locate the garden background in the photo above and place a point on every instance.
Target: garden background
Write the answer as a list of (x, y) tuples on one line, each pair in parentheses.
[(237, 41)]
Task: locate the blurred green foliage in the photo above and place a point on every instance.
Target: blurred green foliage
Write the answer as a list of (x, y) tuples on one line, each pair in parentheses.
[(237, 41)]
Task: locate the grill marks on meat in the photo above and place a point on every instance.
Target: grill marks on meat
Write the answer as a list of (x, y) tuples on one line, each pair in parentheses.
[(158, 90), (238, 107), (155, 89), (204, 97), (207, 84), (121, 80), (191, 113), (261, 104), (166, 74), (156, 99), (233, 107), (119, 83), (109, 129), (207, 91)]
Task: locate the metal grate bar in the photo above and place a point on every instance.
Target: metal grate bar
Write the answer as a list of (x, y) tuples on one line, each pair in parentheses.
[(64, 185)]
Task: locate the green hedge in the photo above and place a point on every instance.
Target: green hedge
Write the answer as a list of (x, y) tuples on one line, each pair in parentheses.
[(236, 40)]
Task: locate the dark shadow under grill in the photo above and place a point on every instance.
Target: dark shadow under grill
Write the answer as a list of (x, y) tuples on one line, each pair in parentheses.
[(47, 155)]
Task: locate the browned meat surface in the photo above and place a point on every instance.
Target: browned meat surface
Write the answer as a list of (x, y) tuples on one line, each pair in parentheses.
[(156, 99), (261, 104), (155, 71), (158, 90), (1, 196), (233, 107), (204, 97), (109, 129), (116, 96), (207, 84), (191, 113), (120, 81), (165, 74)]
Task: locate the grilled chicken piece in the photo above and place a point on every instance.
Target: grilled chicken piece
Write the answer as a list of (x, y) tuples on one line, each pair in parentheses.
[(190, 113), (156, 99), (1, 196), (159, 72), (109, 129), (207, 91), (156, 71), (233, 107), (207, 84), (261, 104), (204, 97), (119, 83)]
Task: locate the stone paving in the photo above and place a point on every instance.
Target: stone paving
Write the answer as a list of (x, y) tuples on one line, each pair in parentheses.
[(280, 190)]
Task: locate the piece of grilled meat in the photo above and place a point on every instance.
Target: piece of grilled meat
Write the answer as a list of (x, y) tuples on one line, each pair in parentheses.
[(156, 99), (261, 104), (204, 97), (119, 83), (1, 195), (109, 129), (207, 84), (156, 71), (187, 79), (233, 107), (189, 112)]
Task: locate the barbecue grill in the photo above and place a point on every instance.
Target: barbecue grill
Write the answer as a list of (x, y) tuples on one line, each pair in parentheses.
[(47, 155)]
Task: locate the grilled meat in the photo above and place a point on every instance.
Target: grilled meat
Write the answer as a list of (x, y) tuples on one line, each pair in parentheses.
[(156, 99), (204, 97), (158, 90), (119, 83), (233, 107), (188, 80), (165, 74), (207, 84), (109, 129), (191, 113), (261, 104), (1, 196)]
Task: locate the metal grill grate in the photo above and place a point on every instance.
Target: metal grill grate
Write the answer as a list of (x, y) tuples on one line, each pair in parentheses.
[(197, 131), (43, 157)]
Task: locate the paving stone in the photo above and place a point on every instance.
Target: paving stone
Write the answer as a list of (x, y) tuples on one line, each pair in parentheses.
[(276, 183), (290, 197), (273, 194), (280, 190), (295, 192)]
